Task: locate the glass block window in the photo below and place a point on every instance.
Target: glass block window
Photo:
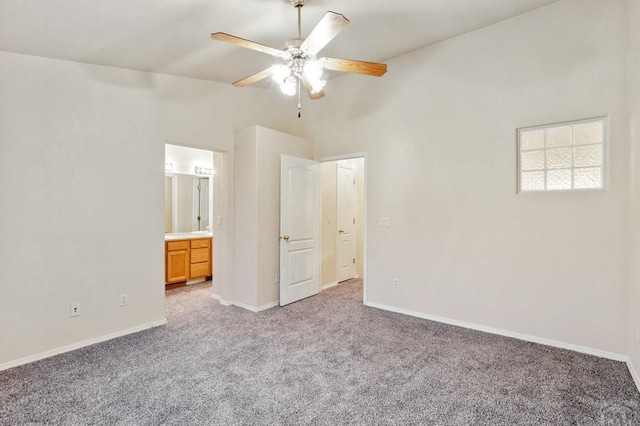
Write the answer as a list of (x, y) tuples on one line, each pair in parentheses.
[(564, 156)]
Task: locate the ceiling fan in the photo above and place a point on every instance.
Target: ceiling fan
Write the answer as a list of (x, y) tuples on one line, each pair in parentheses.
[(299, 64)]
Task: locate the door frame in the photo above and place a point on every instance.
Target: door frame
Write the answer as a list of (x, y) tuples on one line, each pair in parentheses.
[(365, 267), (221, 219)]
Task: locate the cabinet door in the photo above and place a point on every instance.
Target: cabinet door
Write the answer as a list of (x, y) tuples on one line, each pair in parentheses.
[(177, 266)]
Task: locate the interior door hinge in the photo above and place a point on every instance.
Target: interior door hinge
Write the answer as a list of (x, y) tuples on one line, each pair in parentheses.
[(354, 260), (354, 221)]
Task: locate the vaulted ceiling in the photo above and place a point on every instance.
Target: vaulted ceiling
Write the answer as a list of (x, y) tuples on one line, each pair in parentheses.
[(172, 36)]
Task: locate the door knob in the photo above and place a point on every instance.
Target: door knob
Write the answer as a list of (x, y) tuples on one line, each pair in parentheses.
[(341, 231), (285, 237)]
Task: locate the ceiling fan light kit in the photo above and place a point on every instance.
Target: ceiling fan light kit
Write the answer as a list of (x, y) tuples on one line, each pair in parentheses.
[(300, 66)]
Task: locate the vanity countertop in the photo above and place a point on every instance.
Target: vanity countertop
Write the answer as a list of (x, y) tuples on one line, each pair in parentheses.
[(187, 236)]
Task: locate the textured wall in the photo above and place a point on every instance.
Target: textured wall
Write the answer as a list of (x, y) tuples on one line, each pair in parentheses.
[(439, 131), (81, 166)]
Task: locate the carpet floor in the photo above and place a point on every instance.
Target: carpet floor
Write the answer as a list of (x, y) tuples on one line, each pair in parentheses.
[(326, 360)]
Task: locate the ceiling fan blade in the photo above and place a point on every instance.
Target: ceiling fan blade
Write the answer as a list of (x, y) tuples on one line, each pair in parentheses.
[(312, 96), (329, 26), (359, 67), (253, 78), (247, 43)]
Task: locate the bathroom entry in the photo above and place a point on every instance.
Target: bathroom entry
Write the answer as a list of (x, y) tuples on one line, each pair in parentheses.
[(189, 239)]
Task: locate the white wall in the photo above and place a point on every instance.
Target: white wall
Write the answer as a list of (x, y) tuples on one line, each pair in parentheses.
[(245, 254), (185, 160), (634, 259), (81, 153), (81, 169), (257, 212), (439, 132)]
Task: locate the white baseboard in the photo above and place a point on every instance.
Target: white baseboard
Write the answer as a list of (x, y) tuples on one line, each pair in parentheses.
[(256, 308), (506, 333), (221, 300), (326, 286), (634, 374), (84, 343)]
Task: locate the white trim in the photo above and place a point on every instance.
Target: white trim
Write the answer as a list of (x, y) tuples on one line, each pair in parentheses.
[(78, 345), (256, 308), (634, 373), (221, 300), (506, 333), (326, 286)]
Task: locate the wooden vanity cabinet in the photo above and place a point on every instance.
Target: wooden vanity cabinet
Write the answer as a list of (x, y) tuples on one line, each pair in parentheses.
[(188, 259)]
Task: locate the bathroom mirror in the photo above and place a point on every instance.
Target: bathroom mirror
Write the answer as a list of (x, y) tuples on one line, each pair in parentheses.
[(187, 203)]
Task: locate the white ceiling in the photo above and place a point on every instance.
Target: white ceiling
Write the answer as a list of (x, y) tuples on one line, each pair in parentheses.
[(172, 36)]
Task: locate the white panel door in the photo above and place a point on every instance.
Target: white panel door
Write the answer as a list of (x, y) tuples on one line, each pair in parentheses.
[(300, 207), (346, 204)]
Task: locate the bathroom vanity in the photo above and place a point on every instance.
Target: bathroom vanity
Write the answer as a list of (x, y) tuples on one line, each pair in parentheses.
[(188, 256)]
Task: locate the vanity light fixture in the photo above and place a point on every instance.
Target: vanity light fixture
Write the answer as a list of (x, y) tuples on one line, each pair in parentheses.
[(204, 171), (168, 167)]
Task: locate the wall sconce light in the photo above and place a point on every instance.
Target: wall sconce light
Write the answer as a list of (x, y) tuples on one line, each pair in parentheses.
[(168, 167), (204, 171)]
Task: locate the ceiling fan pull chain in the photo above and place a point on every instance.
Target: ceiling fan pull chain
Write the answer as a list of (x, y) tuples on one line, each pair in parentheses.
[(299, 107)]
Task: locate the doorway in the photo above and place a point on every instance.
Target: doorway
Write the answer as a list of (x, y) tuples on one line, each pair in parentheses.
[(336, 220), (191, 203), (343, 219)]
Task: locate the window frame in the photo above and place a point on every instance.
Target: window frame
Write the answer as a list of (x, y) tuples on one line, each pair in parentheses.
[(604, 174)]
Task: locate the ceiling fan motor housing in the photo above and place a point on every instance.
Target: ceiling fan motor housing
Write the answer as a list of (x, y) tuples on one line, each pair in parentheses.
[(294, 56)]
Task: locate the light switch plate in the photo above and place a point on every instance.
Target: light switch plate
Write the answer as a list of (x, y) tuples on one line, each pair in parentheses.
[(384, 221)]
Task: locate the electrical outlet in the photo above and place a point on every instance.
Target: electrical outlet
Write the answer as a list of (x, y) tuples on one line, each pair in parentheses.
[(124, 299), (74, 310), (277, 278), (396, 283)]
